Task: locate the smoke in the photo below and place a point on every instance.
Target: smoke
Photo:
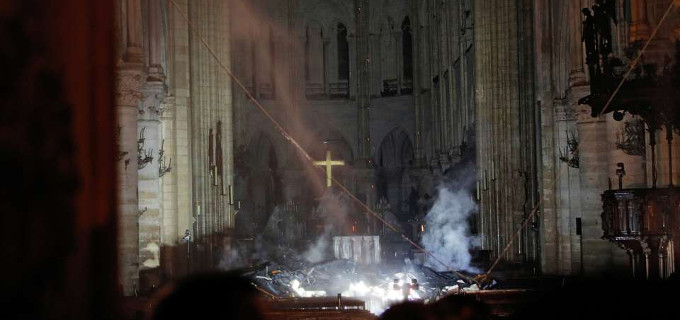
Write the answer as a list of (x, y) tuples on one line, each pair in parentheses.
[(447, 235), (318, 251), (334, 211)]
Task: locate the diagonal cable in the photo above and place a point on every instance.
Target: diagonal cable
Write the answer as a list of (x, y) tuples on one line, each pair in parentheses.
[(302, 151)]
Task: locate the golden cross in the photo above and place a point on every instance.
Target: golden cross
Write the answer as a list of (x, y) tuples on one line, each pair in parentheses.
[(329, 163)]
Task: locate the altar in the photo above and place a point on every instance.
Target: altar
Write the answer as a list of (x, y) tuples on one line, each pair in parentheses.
[(362, 249)]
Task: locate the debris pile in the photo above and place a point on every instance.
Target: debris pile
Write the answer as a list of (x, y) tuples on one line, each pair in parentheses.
[(378, 285)]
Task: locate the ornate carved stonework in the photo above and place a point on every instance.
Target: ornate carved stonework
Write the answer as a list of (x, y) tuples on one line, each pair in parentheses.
[(128, 84), (632, 138), (153, 95)]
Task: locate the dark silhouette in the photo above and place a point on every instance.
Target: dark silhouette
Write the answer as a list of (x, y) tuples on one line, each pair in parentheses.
[(408, 311), (590, 39), (460, 307), (604, 28), (606, 299), (208, 296)]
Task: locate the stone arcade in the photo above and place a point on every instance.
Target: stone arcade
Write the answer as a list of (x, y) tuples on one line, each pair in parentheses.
[(395, 99)]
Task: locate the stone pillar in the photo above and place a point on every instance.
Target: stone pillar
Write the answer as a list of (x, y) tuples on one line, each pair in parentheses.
[(363, 95), (211, 104), (128, 99), (639, 29), (498, 118), (149, 186), (178, 142), (419, 153), (577, 75), (663, 159), (599, 256), (169, 227), (129, 76), (134, 51), (156, 43)]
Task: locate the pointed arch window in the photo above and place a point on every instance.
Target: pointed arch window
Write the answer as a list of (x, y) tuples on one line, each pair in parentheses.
[(407, 56), (253, 62), (314, 62), (343, 53), (267, 87)]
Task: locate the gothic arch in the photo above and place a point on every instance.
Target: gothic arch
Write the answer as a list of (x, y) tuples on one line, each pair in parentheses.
[(315, 59), (264, 187), (389, 71), (407, 49), (393, 160), (265, 63), (395, 150), (342, 43)]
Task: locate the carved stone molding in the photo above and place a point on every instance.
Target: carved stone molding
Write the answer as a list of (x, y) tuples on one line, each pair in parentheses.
[(128, 85), (153, 95)]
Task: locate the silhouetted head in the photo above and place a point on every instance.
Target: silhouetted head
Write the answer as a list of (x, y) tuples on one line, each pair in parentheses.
[(459, 307), (208, 296), (407, 311), (586, 12)]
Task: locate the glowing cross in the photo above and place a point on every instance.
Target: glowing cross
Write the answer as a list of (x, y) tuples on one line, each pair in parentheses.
[(329, 163)]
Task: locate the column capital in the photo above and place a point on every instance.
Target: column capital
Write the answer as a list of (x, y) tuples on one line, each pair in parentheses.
[(153, 94), (128, 85)]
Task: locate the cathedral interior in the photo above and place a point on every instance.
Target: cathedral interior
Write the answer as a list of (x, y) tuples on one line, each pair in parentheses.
[(333, 159)]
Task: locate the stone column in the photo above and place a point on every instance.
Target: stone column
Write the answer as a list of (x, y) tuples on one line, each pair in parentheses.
[(169, 227), (128, 98), (134, 51), (149, 186), (363, 95), (567, 192), (179, 68), (156, 43), (577, 75), (417, 106), (664, 156), (599, 255), (129, 77), (639, 29)]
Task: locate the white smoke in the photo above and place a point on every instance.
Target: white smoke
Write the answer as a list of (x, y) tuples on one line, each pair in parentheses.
[(334, 211), (447, 234), (318, 251)]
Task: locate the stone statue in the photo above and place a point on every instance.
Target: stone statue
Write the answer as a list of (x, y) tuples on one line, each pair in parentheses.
[(590, 39), (605, 13)]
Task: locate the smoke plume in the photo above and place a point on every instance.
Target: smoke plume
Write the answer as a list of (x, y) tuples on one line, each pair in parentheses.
[(334, 211), (447, 235)]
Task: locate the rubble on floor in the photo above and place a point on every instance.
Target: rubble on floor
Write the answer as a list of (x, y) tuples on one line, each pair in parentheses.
[(378, 285)]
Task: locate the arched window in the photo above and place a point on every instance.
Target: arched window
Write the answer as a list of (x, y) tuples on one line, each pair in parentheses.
[(314, 62), (343, 53), (307, 44), (389, 54), (266, 64), (407, 49), (253, 62), (272, 62)]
